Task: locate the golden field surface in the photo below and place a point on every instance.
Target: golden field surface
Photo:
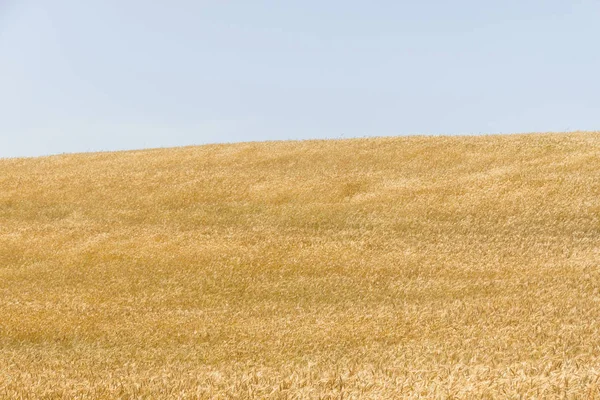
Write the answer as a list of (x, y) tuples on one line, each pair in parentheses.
[(413, 267)]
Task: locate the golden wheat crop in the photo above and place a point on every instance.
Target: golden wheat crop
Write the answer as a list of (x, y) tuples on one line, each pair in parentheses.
[(416, 267)]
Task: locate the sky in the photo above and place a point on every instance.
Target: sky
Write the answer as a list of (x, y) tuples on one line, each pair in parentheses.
[(100, 75)]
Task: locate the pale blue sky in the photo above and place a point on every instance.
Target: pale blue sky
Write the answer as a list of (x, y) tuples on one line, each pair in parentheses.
[(120, 74)]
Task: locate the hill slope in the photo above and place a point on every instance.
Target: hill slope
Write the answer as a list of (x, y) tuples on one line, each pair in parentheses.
[(388, 267)]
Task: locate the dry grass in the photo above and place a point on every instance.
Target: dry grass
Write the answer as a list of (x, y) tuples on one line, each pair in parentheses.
[(465, 267)]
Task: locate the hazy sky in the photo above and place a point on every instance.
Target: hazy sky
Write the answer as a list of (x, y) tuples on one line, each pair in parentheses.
[(119, 74)]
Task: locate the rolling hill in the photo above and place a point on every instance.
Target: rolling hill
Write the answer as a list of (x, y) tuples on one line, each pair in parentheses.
[(409, 267)]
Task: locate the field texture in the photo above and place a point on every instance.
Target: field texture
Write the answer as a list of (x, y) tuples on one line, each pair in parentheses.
[(419, 267)]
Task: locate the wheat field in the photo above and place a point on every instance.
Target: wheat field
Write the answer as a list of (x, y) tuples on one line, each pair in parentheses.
[(412, 267)]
